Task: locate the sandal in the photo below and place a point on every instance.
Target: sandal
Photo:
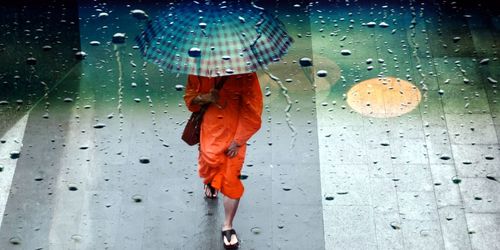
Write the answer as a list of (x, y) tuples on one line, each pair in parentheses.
[(210, 192), (227, 235)]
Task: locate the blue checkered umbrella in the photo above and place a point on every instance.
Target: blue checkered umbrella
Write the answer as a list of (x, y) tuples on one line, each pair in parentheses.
[(209, 39)]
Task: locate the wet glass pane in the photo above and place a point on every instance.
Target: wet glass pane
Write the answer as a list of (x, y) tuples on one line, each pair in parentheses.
[(379, 125)]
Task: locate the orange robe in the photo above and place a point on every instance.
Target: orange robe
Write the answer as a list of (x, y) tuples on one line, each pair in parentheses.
[(237, 118)]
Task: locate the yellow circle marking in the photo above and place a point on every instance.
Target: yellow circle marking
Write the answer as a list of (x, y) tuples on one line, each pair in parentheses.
[(383, 97)]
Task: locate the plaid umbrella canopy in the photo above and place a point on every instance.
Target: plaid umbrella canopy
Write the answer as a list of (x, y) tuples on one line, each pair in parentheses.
[(214, 39)]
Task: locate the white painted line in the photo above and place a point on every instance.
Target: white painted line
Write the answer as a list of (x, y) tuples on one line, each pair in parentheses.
[(14, 142)]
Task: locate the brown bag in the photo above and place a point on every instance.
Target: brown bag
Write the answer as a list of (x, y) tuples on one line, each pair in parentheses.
[(191, 133)]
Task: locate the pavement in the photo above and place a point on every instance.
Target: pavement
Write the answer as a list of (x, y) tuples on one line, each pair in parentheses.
[(330, 178)]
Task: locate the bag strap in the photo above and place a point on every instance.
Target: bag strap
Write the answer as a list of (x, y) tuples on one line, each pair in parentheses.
[(220, 83), (218, 86)]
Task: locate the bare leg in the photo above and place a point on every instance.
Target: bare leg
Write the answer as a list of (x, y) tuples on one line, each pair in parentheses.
[(230, 207)]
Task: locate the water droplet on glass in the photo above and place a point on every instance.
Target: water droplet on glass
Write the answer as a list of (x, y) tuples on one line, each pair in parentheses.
[(118, 38), (322, 73), (194, 52), (137, 198), (99, 125), (144, 160), (383, 25), (345, 52), (371, 24), (139, 14), (305, 62), (256, 230), (15, 241)]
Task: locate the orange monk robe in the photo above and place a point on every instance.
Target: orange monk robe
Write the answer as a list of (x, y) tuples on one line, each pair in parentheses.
[(236, 117)]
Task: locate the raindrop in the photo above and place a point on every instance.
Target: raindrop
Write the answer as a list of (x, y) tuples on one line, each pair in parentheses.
[(72, 187), (137, 198), (144, 160), (139, 14), (118, 38), (492, 81), (305, 62), (444, 157), (15, 154), (95, 43), (256, 230), (484, 61), (99, 125), (287, 189), (371, 24), (345, 52), (322, 73), (243, 176), (456, 39), (47, 47), (67, 99), (103, 14), (80, 55), (31, 61), (441, 92), (203, 25), (15, 241), (76, 237), (489, 177), (383, 25), (179, 87), (329, 198), (395, 225), (194, 52), (456, 180)]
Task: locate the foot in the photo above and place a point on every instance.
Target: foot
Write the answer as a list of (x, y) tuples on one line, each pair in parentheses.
[(230, 239), (210, 192)]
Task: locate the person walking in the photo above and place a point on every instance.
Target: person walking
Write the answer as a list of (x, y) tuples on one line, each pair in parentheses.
[(233, 116)]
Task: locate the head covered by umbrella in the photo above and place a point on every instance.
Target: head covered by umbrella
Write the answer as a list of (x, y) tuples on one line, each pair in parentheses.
[(214, 39)]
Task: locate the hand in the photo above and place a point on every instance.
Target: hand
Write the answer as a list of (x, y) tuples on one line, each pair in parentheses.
[(210, 97), (232, 150)]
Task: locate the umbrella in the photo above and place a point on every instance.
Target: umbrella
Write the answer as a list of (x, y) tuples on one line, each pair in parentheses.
[(213, 39)]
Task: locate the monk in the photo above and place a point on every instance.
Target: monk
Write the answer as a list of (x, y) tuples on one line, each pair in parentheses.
[(232, 117)]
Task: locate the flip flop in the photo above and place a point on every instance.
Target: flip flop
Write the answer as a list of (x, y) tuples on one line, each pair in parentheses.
[(227, 234), (210, 192)]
